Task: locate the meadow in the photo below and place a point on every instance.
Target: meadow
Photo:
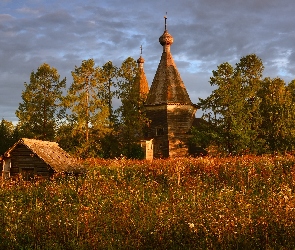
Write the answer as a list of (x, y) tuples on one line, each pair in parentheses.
[(245, 202)]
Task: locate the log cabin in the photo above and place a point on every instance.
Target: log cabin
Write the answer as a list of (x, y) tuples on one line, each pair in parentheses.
[(30, 158)]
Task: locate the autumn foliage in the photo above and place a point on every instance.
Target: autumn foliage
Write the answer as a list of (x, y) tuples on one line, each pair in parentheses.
[(244, 202)]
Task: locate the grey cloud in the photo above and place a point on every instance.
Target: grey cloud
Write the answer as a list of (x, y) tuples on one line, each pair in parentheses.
[(26, 10), (206, 34), (5, 17)]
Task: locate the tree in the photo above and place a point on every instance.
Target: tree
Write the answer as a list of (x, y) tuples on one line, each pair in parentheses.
[(40, 112), (132, 119), (290, 96), (277, 110), (249, 73), (231, 108), (109, 74), (109, 143), (6, 136), (222, 101), (89, 111)]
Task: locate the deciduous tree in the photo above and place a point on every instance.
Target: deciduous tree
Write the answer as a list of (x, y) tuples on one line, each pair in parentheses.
[(131, 115), (41, 110), (231, 109), (6, 135), (277, 111)]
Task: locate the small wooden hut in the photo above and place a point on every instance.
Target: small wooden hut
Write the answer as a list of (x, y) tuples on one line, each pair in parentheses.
[(30, 157)]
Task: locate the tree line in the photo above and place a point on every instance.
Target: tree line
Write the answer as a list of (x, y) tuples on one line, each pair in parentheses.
[(81, 118), (247, 113)]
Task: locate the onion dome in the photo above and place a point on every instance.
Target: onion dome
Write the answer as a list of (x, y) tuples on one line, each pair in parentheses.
[(166, 39), (140, 60)]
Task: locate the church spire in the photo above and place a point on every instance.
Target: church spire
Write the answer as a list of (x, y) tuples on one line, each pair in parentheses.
[(167, 86), (141, 84)]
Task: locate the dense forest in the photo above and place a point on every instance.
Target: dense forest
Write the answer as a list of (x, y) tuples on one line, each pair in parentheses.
[(246, 113)]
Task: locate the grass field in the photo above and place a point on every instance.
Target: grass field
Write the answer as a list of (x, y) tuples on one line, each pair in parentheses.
[(203, 203)]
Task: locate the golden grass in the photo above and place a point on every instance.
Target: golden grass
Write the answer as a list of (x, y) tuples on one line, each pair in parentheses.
[(185, 203)]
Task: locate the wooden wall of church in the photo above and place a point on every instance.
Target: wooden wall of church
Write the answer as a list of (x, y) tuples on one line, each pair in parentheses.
[(158, 129), (179, 119), (170, 129)]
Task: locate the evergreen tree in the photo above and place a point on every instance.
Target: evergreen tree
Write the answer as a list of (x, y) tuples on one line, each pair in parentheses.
[(109, 74), (88, 120), (110, 143)]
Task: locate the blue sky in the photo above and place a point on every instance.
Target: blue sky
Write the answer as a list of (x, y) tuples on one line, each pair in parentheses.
[(206, 33)]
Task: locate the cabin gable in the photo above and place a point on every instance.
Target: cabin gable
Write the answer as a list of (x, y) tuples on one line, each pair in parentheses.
[(25, 162)]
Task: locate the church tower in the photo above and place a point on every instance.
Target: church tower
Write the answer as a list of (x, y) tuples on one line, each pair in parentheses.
[(169, 107), (141, 84)]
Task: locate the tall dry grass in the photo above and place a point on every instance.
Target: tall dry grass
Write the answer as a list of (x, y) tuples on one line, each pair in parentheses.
[(203, 203)]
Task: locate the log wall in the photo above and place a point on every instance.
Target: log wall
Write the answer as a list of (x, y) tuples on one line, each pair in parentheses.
[(170, 127), (25, 162)]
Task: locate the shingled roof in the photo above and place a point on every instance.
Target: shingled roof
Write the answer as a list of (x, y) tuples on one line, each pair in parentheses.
[(167, 86), (50, 153)]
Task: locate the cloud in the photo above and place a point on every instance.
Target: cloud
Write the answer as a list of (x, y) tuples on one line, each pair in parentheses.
[(206, 34), (26, 10), (5, 17)]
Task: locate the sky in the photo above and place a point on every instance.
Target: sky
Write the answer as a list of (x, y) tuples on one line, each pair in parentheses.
[(206, 34)]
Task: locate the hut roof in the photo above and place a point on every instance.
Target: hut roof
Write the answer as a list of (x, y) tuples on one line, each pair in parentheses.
[(50, 152)]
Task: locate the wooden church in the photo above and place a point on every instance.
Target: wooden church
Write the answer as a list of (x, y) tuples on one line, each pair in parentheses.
[(167, 106)]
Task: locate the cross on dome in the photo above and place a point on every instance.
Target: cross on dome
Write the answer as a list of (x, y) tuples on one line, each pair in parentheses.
[(140, 60), (166, 38), (165, 17)]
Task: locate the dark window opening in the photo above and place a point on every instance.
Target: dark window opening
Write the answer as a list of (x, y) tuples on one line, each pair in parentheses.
[(159, 131)]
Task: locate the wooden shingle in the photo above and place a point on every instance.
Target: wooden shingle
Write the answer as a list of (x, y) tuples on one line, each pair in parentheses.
[(42, 158)]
